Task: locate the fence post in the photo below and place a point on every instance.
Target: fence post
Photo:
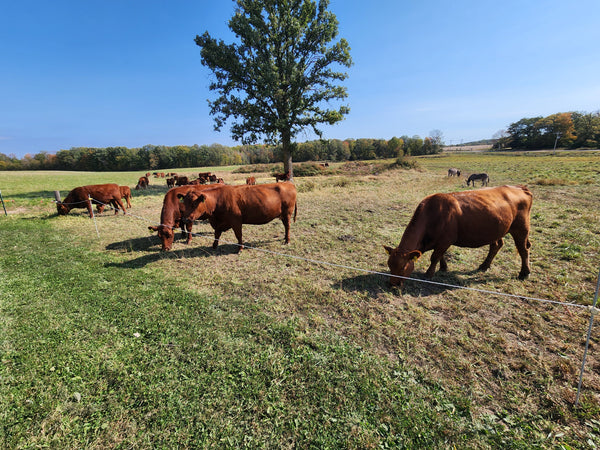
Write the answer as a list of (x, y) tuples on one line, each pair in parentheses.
[(593, 311), (1, 198), (57, 196)]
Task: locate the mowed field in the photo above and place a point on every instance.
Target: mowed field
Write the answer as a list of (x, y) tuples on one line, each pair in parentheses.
[(106, 342)]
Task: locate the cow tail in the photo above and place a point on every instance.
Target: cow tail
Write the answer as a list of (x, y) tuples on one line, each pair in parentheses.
[(295, 211)]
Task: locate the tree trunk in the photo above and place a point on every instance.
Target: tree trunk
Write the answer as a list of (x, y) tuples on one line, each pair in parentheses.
[(287, 153)]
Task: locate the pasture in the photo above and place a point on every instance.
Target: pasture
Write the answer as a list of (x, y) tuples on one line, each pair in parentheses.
[(107, 342)]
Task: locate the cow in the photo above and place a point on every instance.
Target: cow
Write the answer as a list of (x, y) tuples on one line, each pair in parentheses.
[(466, 219), (231, 206), (79, 197), (170, 182), (181, 181), (453, 172), (251, 181), (204, 175), (125, 194), (143, 183), (170, 217), (282, 176), (212, 178), (485, 179)]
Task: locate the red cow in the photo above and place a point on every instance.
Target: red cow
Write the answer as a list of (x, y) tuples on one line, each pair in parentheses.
[(125, 193), (170, 217), (204, 175), (282, 176), (466, 219), (99, 193), (143, 183), (170, 182), (251, 181), (229, 206)]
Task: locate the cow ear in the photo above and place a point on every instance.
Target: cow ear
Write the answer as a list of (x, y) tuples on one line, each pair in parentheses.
[(414, 255), (180, 196), (153, 229), (201, 198), (388, 249)]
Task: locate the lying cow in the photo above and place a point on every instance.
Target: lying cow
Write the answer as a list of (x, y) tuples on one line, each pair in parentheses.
[(465, 219), (251, 181), (143, 183), (100, 194), (125, 194), (170, 217), (282, 176), (231, 206)]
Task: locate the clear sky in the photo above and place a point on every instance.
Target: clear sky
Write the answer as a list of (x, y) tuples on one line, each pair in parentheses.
[(102, 73)]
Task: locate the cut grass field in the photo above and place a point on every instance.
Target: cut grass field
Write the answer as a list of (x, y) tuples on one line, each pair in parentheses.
[(107, 342)]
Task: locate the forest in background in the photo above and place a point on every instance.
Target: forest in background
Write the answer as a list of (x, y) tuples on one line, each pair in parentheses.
[(572, 130)]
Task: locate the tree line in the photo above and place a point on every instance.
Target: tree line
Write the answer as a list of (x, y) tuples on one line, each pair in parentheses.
[(571, 130), (154, 157)]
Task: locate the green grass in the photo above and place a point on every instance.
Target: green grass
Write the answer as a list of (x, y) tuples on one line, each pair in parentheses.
[(105, 342)]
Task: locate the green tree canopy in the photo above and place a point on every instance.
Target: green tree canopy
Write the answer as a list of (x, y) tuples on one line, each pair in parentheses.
[(280, 77)]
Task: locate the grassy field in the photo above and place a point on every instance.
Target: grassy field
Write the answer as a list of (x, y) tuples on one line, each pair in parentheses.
[(106, 342)]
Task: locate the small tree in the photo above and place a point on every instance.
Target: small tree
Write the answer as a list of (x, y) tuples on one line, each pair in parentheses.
[(278, 79)]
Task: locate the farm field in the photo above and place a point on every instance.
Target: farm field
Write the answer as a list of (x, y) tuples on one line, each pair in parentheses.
[(106, 342)]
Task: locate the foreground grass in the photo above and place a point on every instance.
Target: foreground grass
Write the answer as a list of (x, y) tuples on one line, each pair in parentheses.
[(107, 342)]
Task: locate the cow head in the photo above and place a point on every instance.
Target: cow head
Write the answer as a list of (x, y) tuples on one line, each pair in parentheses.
[(165, 234), (62, 209), (194, 206), (401, 263)]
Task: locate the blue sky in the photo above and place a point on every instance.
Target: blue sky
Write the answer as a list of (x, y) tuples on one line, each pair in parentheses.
[(101, 73)]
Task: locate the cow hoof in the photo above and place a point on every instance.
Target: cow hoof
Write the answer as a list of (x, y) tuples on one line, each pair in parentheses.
[(482, 268), (523, 276)]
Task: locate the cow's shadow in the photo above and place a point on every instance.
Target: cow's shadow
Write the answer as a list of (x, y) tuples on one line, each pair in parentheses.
[(417, 285)]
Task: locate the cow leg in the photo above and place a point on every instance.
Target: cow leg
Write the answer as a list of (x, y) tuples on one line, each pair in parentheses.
[(522, 243), (217, 237), (237, 229), (286, 225), (436, 256), (128, 202), (443, 263), (120, 204), (188, 226), (494, 248)]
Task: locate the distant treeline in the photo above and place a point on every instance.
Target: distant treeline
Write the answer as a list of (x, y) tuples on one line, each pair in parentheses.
[(572, 130), (151, 157)]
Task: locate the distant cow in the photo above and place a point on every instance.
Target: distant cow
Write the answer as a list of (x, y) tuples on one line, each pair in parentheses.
[(170, 182), (181, 181), (466, 219), (212, 178), (251, 181), (125, 194), (143, 183), (229, 206), (485, 179), (282, 176), (170, 217), (453, 172), (108, 194)]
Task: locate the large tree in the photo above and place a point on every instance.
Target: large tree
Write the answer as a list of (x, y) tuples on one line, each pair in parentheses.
[(281, 75)]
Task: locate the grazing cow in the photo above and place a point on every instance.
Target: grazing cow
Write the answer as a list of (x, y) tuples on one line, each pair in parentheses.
[(282, 176), (204, 175), (181, 181), (143, 183), (212, 178), (99, 194), (466, 219), (125, 194), (453, 172), (170, 217), (170, 182), (485, 179), (251, 181), (231, 206)]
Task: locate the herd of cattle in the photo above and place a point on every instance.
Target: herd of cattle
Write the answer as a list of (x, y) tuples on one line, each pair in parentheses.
[(465, 219)]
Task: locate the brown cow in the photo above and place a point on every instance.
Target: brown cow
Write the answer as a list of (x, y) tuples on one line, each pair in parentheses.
[(251, 181), (282, 176), (231, 206), (204, 175), (125, 193), (170, 216), (143, 183), (466, 219), (181, 181), (99, 193), (170, 182)]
